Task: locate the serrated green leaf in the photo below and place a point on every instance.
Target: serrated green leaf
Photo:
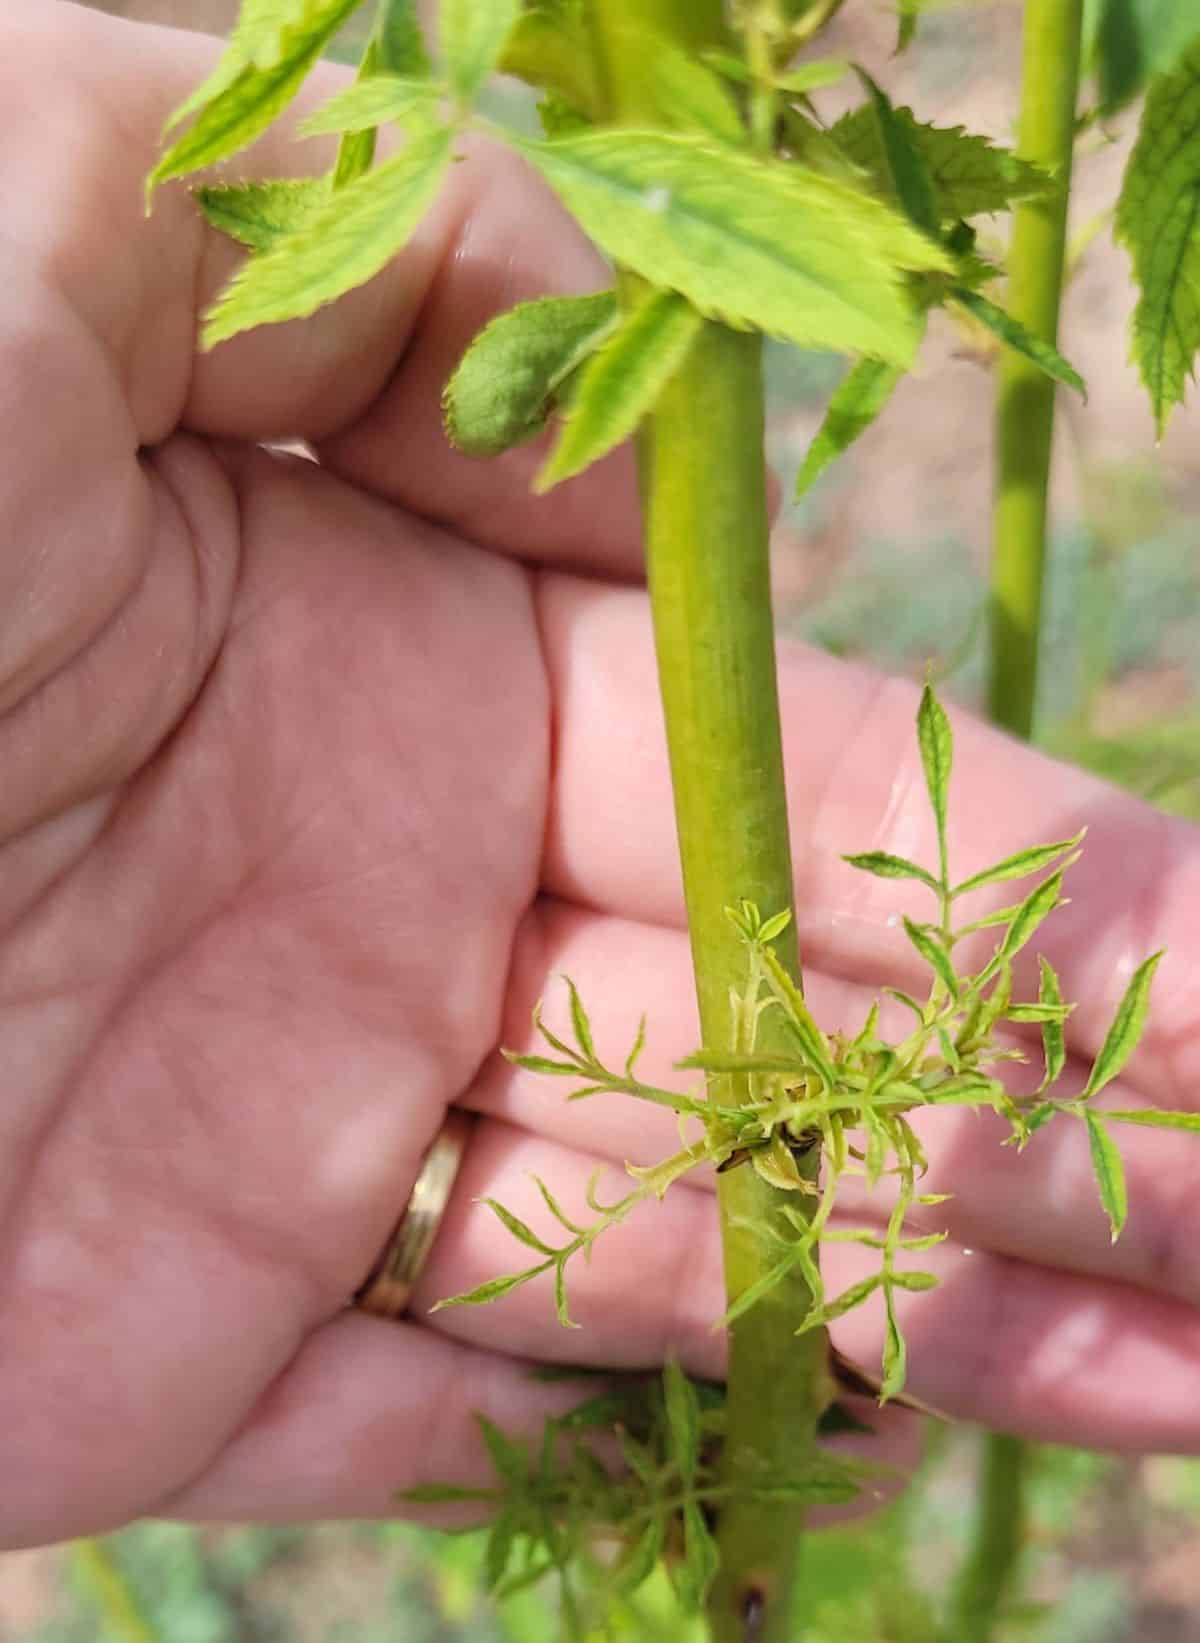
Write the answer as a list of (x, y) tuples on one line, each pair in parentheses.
[(580, 1025), (371, 102), (1040, 1012), (542, 1064), (639, 1044), (855, 1295), (856, 402), (492, 1290), (1158, 221), (249, 89), (891, 867), (918, 1282), (341, 246), (936, 742), (508, 380), (1014, 335), (1157, 1119), (798, 1017), (620, 383), (561, 1310), (1109, 1170), (555, 1208), (895, 1352), (971, 176), (683, 1420), (934, 954), (259, 214), (772, 928), (1132, 40), (1038, 905), (1127, 1026), (472, 35), (551, 50), (1020, 865), (519, 1230), (908, 171), (752, 241)]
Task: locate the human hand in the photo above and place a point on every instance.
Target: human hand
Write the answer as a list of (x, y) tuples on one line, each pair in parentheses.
[(316, 777)]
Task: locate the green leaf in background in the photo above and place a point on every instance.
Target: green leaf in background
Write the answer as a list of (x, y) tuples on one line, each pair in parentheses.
[(907, 167), (683, 91), (341, 246), (259, 214), (1110, 1172), (1158, 221), (256, 79), (936, 742), (395, 51), (1021, 864), (507, 382), (472, 34), (884, 866), (857, 401), (551, 50), (1130, 41), (1054, 1047), (757, 243), (399, 41), (683, 1420), (1127, 1027), (621, 382), (1014, 335), (372, 101), (971, 176), (701, 1559)]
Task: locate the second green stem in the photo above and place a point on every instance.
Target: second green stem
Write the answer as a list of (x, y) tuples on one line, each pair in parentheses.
[(1024, 440)]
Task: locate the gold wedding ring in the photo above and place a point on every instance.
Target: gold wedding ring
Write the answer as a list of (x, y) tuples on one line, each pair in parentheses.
[(391, 1281)]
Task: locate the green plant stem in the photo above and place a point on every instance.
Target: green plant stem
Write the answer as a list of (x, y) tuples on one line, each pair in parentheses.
[(705, 518), (1025, 398), (997, 1541), (1024, 437)]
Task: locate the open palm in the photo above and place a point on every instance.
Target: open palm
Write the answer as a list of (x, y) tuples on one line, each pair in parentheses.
[(315, 775)]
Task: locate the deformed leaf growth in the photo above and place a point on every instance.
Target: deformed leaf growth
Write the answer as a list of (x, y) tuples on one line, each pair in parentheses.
[(852, 1095)]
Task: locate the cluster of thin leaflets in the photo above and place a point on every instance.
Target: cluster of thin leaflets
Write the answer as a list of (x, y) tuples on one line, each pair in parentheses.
[(736, 201), (851, 1095)]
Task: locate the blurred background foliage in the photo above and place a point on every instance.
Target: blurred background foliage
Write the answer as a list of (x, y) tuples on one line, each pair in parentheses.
[(884, 561)]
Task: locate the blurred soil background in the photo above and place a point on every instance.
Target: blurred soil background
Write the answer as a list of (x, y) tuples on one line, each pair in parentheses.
[(886, 560)]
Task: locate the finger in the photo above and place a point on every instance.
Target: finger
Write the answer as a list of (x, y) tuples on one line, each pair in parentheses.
[(1041, 1205), (99, 92), (855, 784)]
